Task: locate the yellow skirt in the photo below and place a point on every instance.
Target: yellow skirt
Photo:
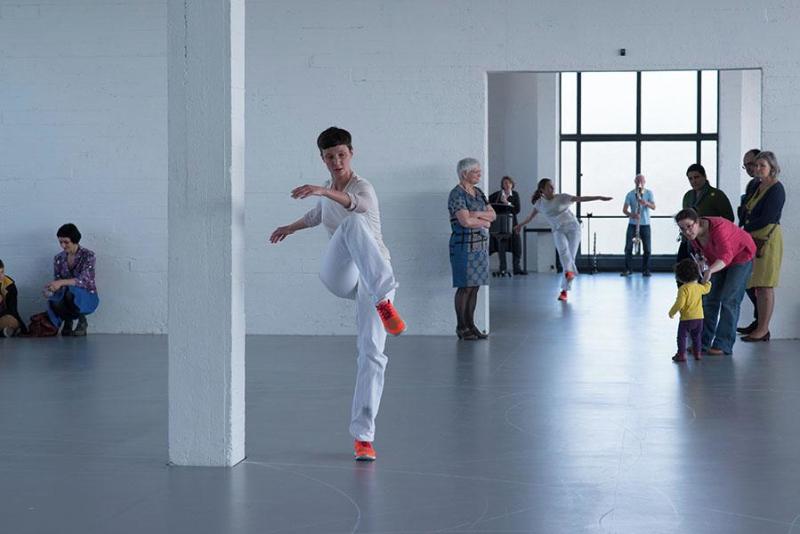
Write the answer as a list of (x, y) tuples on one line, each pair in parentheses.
[(767, 268)]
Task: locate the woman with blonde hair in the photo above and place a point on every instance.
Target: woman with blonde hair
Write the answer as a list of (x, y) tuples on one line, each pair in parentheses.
[(762, 217)]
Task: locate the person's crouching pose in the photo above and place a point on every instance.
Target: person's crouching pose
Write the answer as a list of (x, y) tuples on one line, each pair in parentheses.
[(11, 323), (73, 293), (355, 265)]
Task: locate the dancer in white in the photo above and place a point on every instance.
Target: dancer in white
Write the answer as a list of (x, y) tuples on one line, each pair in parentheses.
[(355, 266), (565, 226)]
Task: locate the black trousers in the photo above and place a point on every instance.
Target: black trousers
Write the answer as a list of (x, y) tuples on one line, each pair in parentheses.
[(644, 235), (500, 244)]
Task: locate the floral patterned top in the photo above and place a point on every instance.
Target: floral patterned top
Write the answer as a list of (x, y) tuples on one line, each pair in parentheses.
[(82, 271)]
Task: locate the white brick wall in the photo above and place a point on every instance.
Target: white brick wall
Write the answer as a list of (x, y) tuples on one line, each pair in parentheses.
[(82, 108), (83, 139)]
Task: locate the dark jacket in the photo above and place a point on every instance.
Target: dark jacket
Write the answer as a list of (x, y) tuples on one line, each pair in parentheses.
[(709, 202), (768, 210), (8, 306), (494, 198), (749, 191)]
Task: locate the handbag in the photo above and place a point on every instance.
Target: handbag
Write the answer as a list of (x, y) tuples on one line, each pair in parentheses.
[(762, 242), (40, 326)]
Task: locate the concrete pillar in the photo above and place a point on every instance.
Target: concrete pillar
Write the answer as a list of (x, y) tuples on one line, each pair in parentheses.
[(739, 127), (206, 232), (548, 119)]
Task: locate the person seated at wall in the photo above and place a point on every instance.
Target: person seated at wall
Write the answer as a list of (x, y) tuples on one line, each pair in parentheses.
[(703, 198), (73, 293), (507, 196), (11, 323)]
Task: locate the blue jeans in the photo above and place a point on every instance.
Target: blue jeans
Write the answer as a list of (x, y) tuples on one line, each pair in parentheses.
[(76, 298), (721, 306), (644, 235)]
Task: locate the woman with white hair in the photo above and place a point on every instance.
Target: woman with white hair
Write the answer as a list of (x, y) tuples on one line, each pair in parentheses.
[(470, 218), (762, 217)]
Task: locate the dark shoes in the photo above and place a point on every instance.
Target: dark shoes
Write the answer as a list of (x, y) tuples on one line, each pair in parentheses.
[(466, 334), (478, 333), (520, 272), (66, 328), (747, 329), (626, 272), (80, 329), (646, 274), (748, 338), (471, 333)]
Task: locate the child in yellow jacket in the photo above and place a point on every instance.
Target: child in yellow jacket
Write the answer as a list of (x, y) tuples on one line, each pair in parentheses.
[(689, 303)]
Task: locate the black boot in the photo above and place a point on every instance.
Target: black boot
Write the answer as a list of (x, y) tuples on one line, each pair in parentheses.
[(80, 330), (66, 329)]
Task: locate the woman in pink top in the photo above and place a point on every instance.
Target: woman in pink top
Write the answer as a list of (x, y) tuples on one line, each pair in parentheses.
[(724, 252)]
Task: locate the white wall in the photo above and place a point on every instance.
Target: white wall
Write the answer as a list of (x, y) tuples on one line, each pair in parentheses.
[(83, 139), (739, 127), (512, 126), (523, 128), (83, 110), (523, 135)]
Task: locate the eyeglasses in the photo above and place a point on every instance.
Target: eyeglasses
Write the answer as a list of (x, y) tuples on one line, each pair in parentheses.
[(686, 227)]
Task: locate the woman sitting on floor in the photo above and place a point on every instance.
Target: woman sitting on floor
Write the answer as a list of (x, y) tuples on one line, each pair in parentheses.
[(10, 322)]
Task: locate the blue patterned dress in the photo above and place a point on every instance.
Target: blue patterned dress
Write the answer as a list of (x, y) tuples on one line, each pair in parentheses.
[(469, 247)]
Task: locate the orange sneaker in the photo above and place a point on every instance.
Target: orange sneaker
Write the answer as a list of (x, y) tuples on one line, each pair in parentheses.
[(563, 296), (363, 451), (570, 276), (392, 321)]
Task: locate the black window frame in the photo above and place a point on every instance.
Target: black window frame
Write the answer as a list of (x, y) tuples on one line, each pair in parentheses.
[(661, 262)]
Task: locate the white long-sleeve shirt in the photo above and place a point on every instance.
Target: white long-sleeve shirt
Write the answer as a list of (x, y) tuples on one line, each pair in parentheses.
[(556, 210), (362, 200)]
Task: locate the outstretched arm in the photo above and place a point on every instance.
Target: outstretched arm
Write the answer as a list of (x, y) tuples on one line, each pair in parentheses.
[(282, 232), (591, 199), (525, 221)]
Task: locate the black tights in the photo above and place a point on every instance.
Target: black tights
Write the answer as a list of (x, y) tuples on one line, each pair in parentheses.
[(466, 299), (66, 308)]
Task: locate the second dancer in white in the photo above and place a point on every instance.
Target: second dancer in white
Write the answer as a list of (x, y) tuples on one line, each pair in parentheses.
[(564, 225)]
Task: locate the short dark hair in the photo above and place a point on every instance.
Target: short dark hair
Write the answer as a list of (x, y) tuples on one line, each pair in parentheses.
[(686, 271), (687, 213), (71, 231), (753, 152), (334, 136), (510, 179), (2, 265), (696, 167)]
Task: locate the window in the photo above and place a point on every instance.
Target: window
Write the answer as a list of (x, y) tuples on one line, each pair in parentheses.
[(615, 125)]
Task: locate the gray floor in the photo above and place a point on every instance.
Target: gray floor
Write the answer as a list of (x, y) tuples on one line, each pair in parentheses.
[(571, 418)]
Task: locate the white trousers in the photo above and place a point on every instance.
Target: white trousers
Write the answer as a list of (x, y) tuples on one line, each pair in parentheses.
[(567, 239), (354, 268)]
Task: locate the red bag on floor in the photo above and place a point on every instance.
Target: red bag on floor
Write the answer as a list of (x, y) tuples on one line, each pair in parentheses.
[(41, 326)]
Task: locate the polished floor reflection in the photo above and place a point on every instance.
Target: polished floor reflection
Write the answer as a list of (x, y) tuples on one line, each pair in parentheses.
[(570, 418)]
